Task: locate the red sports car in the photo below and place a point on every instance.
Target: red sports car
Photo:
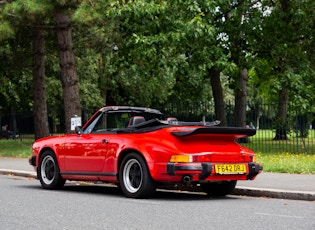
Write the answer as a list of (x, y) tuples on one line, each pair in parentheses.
[(139, 150)]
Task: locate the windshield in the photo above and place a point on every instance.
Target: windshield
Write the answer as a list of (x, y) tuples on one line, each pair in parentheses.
[(107, 122)]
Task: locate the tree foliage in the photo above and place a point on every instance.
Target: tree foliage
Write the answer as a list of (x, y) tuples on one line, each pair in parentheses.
[(153, 52)]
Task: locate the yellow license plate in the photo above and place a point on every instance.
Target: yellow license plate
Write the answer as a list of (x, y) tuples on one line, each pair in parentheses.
[(230, 169)]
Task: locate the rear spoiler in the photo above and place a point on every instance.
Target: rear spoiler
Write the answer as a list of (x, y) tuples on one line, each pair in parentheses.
[(215, 130)]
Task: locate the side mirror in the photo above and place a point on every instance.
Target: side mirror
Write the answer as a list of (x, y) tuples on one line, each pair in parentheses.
[(78, 130)]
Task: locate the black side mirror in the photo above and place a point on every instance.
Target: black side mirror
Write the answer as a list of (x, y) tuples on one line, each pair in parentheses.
[(78, 130)]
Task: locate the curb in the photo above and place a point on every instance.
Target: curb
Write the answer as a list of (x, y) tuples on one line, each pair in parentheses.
[(275, 193), (240, 191), (18, 173)]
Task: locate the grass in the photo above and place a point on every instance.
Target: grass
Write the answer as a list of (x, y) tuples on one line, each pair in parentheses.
[(295, 155), (273, 160), (263, 142), (297, 163), (16, 148)]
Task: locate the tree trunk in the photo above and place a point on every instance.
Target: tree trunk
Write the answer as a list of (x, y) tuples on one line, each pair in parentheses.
[(69, 79), (283, 95), (217, 92), (281, 125), (240, 103), (39, 85), (240, 100)]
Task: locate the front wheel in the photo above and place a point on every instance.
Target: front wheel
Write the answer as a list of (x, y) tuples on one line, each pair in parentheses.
[(219, 188), (134, 177), (48, 171)]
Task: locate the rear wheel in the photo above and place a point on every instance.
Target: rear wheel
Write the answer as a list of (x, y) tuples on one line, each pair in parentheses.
[(219, 188), (134, 177), (48, 171)]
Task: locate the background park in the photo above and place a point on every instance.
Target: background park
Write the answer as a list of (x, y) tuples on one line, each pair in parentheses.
[(247, 63)]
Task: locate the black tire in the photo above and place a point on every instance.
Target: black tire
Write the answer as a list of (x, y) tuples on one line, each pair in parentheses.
[(134, 177), (219, 188), (48, 171)]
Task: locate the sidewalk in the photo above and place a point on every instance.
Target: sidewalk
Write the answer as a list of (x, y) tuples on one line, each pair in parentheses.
[(279, 185), (273, 185)]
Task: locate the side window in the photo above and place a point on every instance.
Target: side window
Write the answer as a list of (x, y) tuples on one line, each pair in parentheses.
[(100, 126), (122, 120), (108, 122), (91, 126)]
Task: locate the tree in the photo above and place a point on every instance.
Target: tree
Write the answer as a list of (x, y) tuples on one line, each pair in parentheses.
[(15, 66), (98, 45), (68, 69), (142, 53), (218, 96), (285, 30), (25, 16), (186, 42), (39, 85), (29, 12), (184, 47), (236, 22)]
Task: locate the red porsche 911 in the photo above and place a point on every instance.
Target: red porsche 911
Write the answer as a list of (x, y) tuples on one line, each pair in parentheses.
[(139, 150)]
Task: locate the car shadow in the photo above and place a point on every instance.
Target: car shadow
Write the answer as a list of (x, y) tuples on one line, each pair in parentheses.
[(101, 189), (96, 189), (160, 194), (186, 195)]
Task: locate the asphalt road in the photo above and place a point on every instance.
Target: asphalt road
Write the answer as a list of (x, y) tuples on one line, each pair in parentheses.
[(273, 185), (25, 205)]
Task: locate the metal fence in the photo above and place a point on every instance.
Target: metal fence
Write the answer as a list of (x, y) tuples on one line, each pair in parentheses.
[(298, 130), (300, 135)]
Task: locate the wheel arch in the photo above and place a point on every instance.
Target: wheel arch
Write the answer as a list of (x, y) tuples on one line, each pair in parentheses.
[(147, 158), (41, 152), (44, 150), (48, 171), (124, 153), (134, 175)]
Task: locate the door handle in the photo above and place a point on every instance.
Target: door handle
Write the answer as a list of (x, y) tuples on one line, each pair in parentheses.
[(105, 141)]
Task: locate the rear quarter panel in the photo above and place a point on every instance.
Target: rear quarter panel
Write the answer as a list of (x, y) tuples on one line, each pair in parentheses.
[(157, 147), (152, 146)]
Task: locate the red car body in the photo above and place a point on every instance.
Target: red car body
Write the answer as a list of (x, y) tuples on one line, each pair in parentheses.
[(135, 148)]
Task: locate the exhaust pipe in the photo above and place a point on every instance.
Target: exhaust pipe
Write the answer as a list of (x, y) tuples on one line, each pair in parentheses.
[(186, 179)]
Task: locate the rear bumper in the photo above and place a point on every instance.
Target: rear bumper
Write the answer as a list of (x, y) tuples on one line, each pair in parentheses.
[(204, 170), (254, 170)]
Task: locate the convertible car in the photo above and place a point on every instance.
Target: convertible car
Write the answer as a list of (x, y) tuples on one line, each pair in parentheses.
[(140, 150)]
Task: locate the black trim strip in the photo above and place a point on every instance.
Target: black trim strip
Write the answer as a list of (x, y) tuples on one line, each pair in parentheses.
[(32, 160), (205, 169), (88, 174), (188, 168), (254, 170)]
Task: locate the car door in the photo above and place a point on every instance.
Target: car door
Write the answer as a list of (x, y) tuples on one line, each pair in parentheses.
[(85, 153)]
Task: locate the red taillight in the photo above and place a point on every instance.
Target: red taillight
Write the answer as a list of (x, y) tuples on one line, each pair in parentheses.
[(221, 157), (203, 158)]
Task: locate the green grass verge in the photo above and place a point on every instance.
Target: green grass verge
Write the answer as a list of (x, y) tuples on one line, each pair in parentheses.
[(263, 142), (16, 148), (300, 163)]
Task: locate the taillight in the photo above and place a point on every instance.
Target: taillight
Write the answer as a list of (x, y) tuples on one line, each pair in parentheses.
[(181, 158)]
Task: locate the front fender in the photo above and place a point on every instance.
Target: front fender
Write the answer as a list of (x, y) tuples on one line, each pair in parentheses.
[(53, 143)]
